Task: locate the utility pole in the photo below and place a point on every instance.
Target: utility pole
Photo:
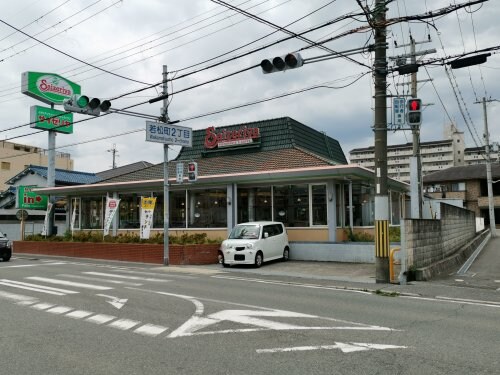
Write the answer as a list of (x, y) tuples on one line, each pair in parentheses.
[(491, 202), (164, 116), (415, 160), (380, 147), (114, 151)]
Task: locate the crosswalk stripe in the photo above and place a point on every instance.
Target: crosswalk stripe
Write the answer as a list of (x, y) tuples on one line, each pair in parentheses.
[(150, 330), (36, 288), (79, 314), (43, 306), (59, 310), (100, 318), (124, 324), (69, 283), (125, 277)]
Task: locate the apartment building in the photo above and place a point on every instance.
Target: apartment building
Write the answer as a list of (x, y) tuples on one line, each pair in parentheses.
[(15, 157), (476, 155), (435, 155)]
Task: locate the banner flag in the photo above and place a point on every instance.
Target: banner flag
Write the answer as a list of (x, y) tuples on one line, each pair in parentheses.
[(147, 210)]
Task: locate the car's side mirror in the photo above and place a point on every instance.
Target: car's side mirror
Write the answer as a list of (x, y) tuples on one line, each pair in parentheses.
[(266, 234)]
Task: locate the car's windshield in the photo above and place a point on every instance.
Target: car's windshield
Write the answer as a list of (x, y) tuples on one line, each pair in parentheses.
[(245, 231)]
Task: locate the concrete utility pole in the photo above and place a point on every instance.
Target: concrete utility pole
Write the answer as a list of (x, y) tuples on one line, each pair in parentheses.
[(114, 151), (164, 113), (491, 202), (380, 129)]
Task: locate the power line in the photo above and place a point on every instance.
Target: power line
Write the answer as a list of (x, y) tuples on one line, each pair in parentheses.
[(70, 56)]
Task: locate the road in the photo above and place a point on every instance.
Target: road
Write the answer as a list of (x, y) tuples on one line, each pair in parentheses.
[(73, 316)]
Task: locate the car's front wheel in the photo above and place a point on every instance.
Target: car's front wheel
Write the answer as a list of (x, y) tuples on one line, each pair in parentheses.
[(258, 260), (6, 257), (286, 254), (221, 260)]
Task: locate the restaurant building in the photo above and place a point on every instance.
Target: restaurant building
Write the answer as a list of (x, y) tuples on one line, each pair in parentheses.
[(277, 169)]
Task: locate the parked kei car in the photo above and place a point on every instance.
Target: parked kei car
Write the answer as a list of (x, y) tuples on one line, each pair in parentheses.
[(255, 243), (5, 247)]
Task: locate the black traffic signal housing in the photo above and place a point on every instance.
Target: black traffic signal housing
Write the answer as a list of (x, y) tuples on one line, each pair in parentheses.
[(414, 112), (192, 171), (282, 63), (84, 104)]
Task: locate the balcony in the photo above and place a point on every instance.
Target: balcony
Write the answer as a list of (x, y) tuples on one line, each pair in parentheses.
[(482, 202)]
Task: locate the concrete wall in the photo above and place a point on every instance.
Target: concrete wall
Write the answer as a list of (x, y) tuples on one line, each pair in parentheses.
[(430, 241), (350, 252)]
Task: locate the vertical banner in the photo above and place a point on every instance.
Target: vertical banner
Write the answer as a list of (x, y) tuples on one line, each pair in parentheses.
[(147, 209), (111, 208), (46, 221), (73, 219)]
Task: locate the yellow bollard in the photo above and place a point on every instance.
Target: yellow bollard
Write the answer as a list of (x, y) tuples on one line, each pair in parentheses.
[(391, 265)]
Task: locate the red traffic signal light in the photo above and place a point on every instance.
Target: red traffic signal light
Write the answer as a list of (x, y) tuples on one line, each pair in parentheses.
[(192, 171), (414, 107)]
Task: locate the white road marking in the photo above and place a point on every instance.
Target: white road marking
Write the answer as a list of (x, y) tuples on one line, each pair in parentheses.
[(100, 318), (312, 286), (78, 314), (69, 283), (43, 306), (497, 281), (99, 279), (19, 298), (115, 301), (126, 277), (150, 330), (344, 347), (124, 324), (36, 288), (35, 265), (59, 310)]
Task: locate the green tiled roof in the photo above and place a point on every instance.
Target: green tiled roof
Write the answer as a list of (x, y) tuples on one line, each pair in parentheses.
[(275, 134)]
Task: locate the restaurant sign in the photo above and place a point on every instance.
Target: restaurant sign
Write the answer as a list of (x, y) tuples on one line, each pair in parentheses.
[(49, 88), (51, 119), (28, 199), (230, 138)]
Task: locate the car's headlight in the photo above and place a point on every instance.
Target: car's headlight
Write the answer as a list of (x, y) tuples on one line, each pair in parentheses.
[(249, 245), (225, 246)]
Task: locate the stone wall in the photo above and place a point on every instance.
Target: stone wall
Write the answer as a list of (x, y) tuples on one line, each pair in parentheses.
[(428, 242)]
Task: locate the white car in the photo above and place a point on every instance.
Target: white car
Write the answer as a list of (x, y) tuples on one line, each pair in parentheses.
[(255, 243)]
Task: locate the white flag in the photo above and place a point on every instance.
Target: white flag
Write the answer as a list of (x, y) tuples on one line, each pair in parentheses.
[(147, 210), (111, 208)]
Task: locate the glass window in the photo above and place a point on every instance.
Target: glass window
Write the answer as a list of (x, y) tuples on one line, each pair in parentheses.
[(340, 204), (319, 207), (254, 204), (92, 212), (363, 198), (291, 205), (395, 208), (177, 209), (129, 211), (207, 208)]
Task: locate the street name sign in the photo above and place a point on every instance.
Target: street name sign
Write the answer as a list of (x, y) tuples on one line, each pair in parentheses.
[(169, 134)]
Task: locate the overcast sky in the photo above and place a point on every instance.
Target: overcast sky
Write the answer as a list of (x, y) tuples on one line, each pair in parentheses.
[(135, 38)]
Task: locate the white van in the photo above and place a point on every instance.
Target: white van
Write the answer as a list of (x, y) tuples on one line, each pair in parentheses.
[(255, 243)]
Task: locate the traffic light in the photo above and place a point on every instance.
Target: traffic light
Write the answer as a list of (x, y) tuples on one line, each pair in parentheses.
[(279, 64), (192, 171), (84, 104), (414, 107)]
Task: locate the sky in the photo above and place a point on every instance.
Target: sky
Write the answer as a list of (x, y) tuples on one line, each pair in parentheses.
[(117, 49)]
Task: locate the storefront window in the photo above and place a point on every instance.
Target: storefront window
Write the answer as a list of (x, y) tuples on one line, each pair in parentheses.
[(254, 204), (158, 212), (319, 209), (207, 208), (129, 211), (177, 209), (291, 205), (340, 206), (395, 208), (92, 212), (363, 197)]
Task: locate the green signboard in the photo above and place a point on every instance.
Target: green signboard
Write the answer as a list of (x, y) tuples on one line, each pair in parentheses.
[(49, 88), (27, 199), (51, 119)]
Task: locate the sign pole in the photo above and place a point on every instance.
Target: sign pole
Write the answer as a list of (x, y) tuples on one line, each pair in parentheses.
[(51, 176)]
